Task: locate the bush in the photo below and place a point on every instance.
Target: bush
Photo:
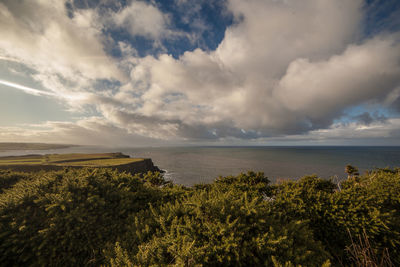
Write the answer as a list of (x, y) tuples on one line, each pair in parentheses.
[(99, 216), (366, 205), (9, 178), (218, 227), (68, 217)]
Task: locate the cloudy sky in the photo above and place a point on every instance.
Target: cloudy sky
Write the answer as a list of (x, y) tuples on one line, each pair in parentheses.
[(214, 72)]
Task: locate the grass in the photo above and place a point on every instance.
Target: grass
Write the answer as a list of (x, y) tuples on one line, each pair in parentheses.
[(79, 156), (101, 162), (84, 160), (21, 162)]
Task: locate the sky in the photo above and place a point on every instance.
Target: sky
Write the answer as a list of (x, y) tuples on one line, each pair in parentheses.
[(200, 72)]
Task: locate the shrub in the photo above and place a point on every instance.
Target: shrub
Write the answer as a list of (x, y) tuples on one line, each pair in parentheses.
[(369, 204), (99, 216), (217, 227), (9, 178), (68, 217)]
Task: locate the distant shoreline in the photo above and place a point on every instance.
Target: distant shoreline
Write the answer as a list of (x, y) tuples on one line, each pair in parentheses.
[(9, 146)]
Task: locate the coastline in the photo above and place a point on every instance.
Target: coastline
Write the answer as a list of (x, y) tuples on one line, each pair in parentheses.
[(47, 162)]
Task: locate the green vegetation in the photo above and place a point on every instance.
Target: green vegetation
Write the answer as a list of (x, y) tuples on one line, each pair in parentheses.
[(95, 216), (84, 160), (30, 146), (102, 162), (60, 158)]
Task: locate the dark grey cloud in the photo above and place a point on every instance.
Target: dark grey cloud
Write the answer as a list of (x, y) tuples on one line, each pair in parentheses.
[(366, 118)]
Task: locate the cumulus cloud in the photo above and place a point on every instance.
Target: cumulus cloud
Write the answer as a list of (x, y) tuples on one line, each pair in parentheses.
[(363, 72), (144, 19), (65, 53), (284, 68)]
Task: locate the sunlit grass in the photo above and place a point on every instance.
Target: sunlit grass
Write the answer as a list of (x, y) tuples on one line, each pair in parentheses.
[(101, 162), (19, 162), (78, 156), (92, 160)]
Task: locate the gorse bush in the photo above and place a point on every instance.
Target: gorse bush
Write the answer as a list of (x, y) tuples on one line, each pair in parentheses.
[(216, 227), (99, 216), (9, 178), (68, 217), (369, 204)]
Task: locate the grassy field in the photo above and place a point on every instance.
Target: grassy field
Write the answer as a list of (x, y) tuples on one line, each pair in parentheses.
[(77, 159), (101, 162)]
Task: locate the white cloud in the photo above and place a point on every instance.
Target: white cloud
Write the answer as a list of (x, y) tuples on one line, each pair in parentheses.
[(284, 68), (144, 19), (271, 34), (363, 72), (41, 35), (85, 132), (380, 131)]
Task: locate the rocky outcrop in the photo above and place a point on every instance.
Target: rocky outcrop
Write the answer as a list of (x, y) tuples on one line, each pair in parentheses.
[(143, 166)]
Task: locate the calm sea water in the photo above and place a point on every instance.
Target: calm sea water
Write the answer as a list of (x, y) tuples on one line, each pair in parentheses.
[(191, 165)]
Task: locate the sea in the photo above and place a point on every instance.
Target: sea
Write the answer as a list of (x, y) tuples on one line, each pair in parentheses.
[(194, 165)]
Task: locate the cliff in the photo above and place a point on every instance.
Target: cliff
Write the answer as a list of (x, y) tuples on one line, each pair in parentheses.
[(143, 166), (118, 161)]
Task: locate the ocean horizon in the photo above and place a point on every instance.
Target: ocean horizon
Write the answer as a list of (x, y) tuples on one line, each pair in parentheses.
[(189, 165)]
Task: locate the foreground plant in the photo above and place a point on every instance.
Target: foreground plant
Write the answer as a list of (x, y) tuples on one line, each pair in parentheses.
[(103, 217)]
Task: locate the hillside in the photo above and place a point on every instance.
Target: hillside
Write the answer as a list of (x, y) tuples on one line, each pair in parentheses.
[(77, 160)]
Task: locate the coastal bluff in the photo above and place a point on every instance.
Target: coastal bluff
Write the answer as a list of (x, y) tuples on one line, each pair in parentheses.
[(118, 161)]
